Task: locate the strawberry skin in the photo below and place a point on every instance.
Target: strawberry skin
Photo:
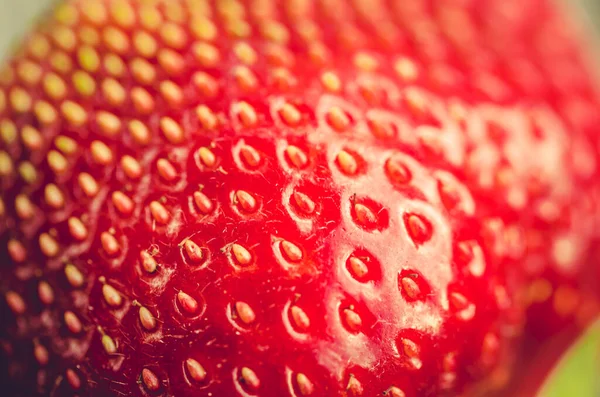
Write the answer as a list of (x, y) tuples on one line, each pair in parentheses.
[(263, 198)]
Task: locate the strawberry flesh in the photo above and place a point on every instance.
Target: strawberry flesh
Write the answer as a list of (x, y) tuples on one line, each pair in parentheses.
[(329, 199)]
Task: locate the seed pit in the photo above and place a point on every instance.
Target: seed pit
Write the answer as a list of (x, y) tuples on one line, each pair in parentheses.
[(453, 194), (382, 129), (413, 286), (397, 171), (250, 157), (368, 214), (460, 306), (240, 256), (194, 372), (291, 251), (349, 162), (248, 379), (355, 317), (193, 254), (296, 157), (339, 119), (363, 267), (299, 319), (189, 306), (419, 229), (303, 384), (150, 381), (302, 204), (245, 202)]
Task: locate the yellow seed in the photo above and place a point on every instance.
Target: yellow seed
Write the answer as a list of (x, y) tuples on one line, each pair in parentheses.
[(74, 113), (241, 254), (365, 62), (74, 275), (171, 130), (23, 207), (57, 162), (347, 163), (245, 53), (28, 172), (44, 112), (123, 13), (159, 212), (206, 54), (140, 132), (53, 196), (331, 81), (203, 29), (39, 46), (300, 318), (142, 100), (95, 12), (54, 86), (15, 302), (207, 156), (111, 295), (245, 313), (108, 123), (171, 62), (249, 378), (114, 65), (20, 100), (131, 167), (196, 371), (65, 144), (109, 344), (72, 322), (171, 92), (84, 83), (115, 39), (8, 131), (406, 69), (143, 71), (246, 113), (292, 251), (88, 184), (30, 73), (113, 92), (305, 386), (66, 14), (109, 243), (173, 35), (31, 137), (145, 44), (89, 35), (290, 114), (61, 62), (89, 60), (206, 117), (274, 31), (64, 37), (48, 245), (147, 319), (150, 17), (101, 153)]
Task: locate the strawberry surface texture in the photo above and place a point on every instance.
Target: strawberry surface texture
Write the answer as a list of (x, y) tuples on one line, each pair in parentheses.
[(294, 198)]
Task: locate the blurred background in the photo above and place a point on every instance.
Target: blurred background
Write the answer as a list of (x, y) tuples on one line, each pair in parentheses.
[(16, 16)]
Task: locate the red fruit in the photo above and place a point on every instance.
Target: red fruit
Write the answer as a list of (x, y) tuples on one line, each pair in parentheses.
[(271, 199)]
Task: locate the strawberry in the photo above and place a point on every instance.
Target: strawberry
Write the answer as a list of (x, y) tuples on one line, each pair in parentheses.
[(265, 198)]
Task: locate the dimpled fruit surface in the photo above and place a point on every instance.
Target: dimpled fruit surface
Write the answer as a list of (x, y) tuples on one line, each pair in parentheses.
[(291, 198)]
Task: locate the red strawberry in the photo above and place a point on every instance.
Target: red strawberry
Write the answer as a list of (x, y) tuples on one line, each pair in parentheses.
[(299, 198)]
